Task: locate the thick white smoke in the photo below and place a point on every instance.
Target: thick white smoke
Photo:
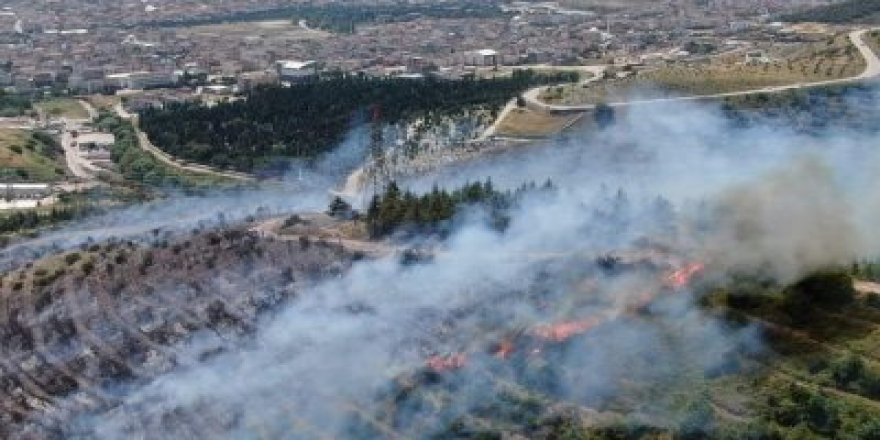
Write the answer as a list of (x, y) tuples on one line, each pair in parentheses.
[(740, 199)]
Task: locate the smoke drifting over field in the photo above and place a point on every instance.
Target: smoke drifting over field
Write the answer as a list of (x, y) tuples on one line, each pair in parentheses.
[(667, 187)]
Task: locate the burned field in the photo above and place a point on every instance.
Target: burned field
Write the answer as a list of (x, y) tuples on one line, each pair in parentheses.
[(81, 327)]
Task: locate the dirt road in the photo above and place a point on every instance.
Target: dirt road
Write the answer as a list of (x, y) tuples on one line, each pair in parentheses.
[(370, 248)]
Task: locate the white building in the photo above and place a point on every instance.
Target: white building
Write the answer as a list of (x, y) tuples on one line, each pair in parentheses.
[(296, 71), (139, 80), (25, 191), (484, 57)]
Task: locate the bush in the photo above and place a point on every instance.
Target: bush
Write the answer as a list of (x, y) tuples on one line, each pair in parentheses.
[(72, 258), (830, 289)]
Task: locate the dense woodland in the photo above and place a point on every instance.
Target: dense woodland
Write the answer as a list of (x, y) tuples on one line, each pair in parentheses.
[(345, 18), (12, 105), (403, 211), (308, 119), (341, 17), (811, 111), (843, 12)]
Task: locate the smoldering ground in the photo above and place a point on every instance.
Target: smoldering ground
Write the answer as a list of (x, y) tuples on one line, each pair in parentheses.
[(672, 181)]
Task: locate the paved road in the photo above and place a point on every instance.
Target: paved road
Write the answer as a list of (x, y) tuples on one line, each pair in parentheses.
[(872, 70), (76, 163), (595, 73), (166, 158)]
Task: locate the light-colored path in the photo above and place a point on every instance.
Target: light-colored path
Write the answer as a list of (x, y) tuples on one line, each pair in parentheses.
[(872, 70), (595, 74), (370, 248)]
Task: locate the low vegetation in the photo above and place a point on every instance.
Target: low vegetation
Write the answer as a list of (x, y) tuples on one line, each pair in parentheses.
[(525, 123), (137, 165), (62, 108), (30, 156), (848, 11), (813, 378), (835, 58), (811, 111)]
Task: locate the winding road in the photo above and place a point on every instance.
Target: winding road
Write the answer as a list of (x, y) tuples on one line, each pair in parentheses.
[(146, 145), (872, 71)]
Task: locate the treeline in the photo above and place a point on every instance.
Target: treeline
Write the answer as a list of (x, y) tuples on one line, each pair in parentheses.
[(345, 18), (851, 107), (339, 16), (404, 211), (12, 105), (26, 220), (308, 119), (845, 12), (867, 270), (132, 162)]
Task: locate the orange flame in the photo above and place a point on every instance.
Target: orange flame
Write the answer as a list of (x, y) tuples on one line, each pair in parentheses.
[(562, 331), (682, 277), (505, 349), (446, 363)]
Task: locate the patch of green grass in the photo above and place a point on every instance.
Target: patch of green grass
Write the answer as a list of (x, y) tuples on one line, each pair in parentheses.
[(833, 59), (25, 156), (63, 108)]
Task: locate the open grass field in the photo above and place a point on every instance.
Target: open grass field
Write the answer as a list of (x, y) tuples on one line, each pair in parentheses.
[(273, 29), (23, 158), (63, 108), (103, 102), (832, 59), (525, 123)]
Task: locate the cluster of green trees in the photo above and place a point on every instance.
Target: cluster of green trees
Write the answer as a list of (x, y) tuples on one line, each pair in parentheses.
[(843, 12), (341, 17), (395, 210), (307, 119), (850, 372), (846, 107), (12, 104), (344, 18), (25, 220), (132, 162), (867, 270), (827, 290)]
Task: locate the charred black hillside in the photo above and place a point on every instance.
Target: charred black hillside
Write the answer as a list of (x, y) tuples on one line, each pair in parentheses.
[(77, 326)]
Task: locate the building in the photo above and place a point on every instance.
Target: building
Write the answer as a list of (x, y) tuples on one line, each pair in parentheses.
[(95, 146), (484, 57), (294, 72), (139, 80), (25, 191), (249, 80)]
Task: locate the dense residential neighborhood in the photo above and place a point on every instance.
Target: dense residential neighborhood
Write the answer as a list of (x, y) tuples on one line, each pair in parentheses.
[(440, 219)]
